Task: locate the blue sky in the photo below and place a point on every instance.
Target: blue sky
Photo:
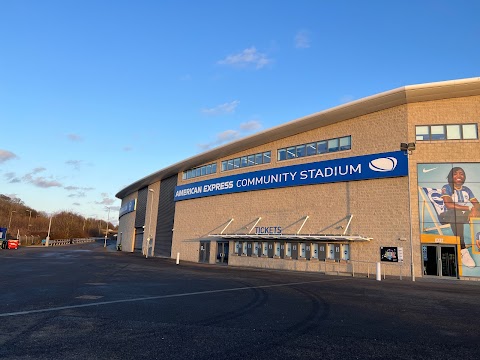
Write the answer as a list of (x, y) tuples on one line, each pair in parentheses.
[(95, 95)]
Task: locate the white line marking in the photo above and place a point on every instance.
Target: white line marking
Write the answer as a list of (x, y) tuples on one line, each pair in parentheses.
[(159, 297)]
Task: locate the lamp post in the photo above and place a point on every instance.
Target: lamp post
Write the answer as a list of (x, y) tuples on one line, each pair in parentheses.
[(10, 221), (150, 238), (106, 230), (408, 149), (29, 218)]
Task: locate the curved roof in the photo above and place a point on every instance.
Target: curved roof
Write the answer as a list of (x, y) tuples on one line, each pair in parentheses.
[(367, 105)]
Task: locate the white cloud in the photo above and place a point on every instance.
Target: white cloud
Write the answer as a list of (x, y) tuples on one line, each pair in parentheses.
[(222, 109), (251, 125), (231, 135), (75, 163), (6, 155), (246, 58), (346, 99), (302, 40), (74, 137)]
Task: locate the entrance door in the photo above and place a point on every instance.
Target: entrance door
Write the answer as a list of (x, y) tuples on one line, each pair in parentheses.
[(204, 252), (222, 252), (439, 260)]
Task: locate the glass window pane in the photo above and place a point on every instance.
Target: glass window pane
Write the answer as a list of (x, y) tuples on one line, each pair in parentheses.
[(321, 147), (311, 149), (203, 170), (214, 168), (437, 132), (243, 161), (422, 133), (282, 154), (267, 157), (251, 160), (291, 152), (333, 145), (469, 131), (224, 166), (197, 172), (258, 159), (184, 175), (191, 173), (345, 143), (236, 163), (453, 132), (300, 151), (209, 169), (230, 164)]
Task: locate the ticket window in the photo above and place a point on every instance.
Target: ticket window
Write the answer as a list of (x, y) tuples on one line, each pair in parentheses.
[(244, 248), (345, 252), (270, 249), (314, 251), (302, 251), (288, 250), (295, 251), (255, 248), (322, 252), (336, 248), (265, 249), (330, 252), (308, 251), (249, 249), (277, 249), (237, 247)]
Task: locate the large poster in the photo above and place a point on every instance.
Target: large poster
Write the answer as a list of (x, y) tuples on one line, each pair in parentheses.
[(449, 210)]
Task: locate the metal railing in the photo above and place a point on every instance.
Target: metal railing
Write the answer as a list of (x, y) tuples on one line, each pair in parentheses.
[(61, 242), (357, 268)]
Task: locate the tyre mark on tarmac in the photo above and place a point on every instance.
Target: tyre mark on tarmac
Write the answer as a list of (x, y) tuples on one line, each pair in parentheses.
[(99, 303), (260, 298)]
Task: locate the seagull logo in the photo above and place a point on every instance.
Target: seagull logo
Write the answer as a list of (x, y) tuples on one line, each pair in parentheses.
[(427, 170)]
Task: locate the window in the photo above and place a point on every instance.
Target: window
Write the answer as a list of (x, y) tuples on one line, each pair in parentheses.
[(311, 149), (300, 151), (345, 143), (267, 157), (291, 152), (201, 171), (244, 161), (333, 145), (320, 147), (446, 132)]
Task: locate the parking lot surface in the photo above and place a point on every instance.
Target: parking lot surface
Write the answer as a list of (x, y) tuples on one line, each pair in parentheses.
[(91, 302)]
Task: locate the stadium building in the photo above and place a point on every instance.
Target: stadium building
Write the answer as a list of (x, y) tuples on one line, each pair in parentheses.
[(389, 178)]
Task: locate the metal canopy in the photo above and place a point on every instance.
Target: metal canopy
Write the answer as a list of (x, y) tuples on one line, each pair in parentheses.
[(319, 237)]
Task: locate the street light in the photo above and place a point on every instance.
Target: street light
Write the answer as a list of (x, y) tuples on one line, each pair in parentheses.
[(106, 230), (10, 221), (30, 211), (408, 149)]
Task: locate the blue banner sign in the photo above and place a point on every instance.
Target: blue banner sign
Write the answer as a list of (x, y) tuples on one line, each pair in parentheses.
[(127, 208), (374, 166)]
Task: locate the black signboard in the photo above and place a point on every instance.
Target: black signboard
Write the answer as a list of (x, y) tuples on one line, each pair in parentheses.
[(389, 253)]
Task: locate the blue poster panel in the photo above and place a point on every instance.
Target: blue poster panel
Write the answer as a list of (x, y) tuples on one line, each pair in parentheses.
[(449, 212), (374, 166)]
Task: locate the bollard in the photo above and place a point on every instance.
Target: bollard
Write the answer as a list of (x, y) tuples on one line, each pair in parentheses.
[(178, 258), (379, 272)]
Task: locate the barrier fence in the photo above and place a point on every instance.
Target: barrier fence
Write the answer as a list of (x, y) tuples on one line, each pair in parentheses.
[(366, 269), (60, 242)]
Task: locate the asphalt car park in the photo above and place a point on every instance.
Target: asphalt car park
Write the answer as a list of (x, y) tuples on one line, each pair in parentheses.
[(86, 301)]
